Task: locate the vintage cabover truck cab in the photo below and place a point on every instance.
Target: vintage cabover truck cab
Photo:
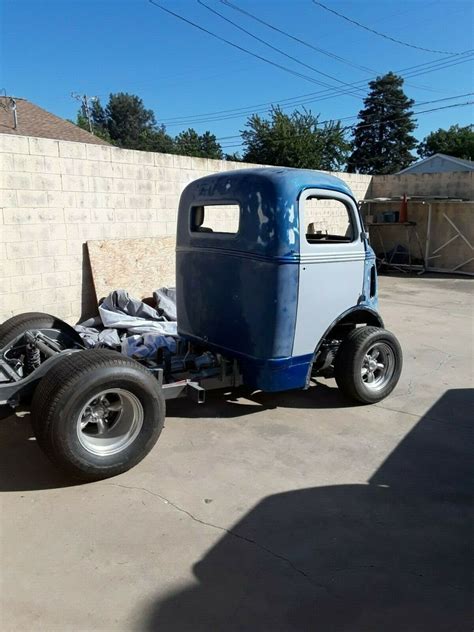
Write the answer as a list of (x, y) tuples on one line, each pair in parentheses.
[(274, 269), (276, 286)]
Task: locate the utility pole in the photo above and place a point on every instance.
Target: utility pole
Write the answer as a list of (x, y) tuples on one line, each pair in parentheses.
[(84, 101)]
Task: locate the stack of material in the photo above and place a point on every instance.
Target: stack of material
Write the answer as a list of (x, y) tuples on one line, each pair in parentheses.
[(132, 326)]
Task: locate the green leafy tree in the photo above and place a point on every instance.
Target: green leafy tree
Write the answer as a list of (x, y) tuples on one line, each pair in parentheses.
[(456, 141), (190, 143), (294, 140), (383, 138)]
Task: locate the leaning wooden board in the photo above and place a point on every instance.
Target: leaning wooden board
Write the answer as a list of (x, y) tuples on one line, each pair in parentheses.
[(139, 266)]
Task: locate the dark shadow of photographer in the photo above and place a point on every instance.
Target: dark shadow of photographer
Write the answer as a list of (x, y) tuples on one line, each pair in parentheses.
[(390, 555)]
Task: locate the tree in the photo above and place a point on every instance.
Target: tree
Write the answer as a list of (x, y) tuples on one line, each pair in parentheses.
[(234, 157), (294, 140), (190, 143), (129, 123), (98, 120), (456, 141), (156, 140), (383, 136), (126, 122)]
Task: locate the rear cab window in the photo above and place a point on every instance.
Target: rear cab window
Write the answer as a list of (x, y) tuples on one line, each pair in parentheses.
[(223, 219)]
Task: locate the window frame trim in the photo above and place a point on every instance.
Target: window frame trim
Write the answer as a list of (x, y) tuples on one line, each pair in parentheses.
[(218, 234), (329, 194)]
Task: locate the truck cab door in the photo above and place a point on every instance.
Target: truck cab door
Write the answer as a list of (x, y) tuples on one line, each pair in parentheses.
[(331, 263)]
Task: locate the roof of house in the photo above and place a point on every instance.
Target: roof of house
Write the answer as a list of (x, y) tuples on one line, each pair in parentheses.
[(34, 121), (468, 164)]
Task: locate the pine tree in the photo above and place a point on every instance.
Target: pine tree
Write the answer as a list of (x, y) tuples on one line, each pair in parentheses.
[(383, 136)]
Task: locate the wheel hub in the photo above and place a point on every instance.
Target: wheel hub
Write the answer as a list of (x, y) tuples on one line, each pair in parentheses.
[(110, 422), (378, 366)]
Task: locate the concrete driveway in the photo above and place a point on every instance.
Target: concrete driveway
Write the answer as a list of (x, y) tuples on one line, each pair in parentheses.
[(287, 512)]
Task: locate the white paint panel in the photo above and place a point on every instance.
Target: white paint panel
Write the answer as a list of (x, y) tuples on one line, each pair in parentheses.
[(331, 278)]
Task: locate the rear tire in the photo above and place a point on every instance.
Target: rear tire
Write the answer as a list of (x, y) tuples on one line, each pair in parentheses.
[(368, 364), (97, 413), (17, 325)]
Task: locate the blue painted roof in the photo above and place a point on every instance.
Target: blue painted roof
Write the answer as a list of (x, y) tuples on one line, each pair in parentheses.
[(268, 197), (292, 180)]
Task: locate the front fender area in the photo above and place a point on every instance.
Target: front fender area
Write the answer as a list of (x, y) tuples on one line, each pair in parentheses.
[(357, 315), (327, 347)]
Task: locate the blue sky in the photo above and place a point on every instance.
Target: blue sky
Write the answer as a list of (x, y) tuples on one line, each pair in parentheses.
[(50, 48)]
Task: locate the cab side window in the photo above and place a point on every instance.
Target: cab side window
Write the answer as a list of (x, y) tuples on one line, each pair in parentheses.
[(326, 220), (215, 218)]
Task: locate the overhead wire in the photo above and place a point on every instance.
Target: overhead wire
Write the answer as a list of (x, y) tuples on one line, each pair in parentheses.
[(241, 48), (346, 118), (199, 118), (296, 39), (384, 35), (278, 50), (380, 121), (303, 99), (308, 44)]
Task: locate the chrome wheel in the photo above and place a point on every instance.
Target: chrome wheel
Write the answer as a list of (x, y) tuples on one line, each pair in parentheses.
[(110, 422), (378, 366)]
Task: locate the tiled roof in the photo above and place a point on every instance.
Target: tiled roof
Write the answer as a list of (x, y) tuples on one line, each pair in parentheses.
[(34, 121)]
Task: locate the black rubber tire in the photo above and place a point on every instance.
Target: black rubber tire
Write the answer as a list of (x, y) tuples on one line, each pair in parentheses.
[(64, 391), (348, 364), (16, 325)]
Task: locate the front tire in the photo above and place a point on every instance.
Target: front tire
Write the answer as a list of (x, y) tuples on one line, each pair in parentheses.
[(97, 413), (368, 364)]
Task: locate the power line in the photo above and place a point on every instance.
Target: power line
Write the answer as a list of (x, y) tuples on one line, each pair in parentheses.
[(388, 37), (241, 48), (381, 121), (296, 39), (308, 44), (233, 113), (339, 92), (347, 118), (275, 48), (444, 107), (420, 69)]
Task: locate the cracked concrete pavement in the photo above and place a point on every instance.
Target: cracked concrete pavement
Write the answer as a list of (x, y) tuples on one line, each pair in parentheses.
[(295, 511)]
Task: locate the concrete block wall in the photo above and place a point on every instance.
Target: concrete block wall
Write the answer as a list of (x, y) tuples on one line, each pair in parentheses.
[(56, 195), (454, 184)]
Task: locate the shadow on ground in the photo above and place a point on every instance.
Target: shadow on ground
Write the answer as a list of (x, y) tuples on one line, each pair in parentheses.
[(25, 468), (390, 555), (230, 404)]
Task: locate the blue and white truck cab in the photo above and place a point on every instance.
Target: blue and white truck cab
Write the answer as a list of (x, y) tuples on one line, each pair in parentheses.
[(276, 286)]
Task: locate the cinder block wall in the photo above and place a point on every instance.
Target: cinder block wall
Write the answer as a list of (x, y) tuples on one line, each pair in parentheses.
[(456, 184), (56, 195)]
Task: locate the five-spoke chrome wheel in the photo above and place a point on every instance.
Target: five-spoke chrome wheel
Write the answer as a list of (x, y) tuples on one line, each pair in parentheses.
[(368, 364), (378, 366), (110, 422)]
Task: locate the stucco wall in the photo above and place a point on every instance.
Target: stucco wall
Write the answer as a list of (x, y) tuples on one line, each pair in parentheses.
[(56, 195)]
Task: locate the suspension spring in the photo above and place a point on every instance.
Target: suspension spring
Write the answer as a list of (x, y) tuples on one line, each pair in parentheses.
[(33, 358)]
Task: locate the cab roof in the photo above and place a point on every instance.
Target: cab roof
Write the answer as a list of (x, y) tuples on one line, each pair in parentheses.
[(287, 181)]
